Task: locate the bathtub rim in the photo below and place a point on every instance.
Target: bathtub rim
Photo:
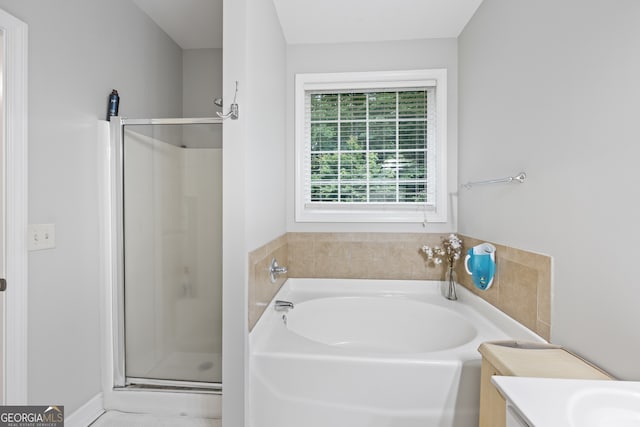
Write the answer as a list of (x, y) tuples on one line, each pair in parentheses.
[(305, 289)]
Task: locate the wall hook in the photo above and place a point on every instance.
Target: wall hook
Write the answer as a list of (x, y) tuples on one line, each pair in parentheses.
[(233, 108)]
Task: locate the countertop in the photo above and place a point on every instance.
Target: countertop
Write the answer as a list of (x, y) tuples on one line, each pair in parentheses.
[(546, 402), (538, 360)]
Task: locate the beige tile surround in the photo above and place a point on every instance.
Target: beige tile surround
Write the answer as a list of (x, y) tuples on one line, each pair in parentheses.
[(522, 287), (261, 290), (361, 255)]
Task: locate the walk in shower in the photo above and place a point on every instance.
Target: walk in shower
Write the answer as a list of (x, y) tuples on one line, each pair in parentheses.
[(168, 293)]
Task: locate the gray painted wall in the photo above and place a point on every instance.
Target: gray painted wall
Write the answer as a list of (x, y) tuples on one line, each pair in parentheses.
[(265, 112), (253, 175), (78, 52), (202, 83), (552, 88), (382, 56)]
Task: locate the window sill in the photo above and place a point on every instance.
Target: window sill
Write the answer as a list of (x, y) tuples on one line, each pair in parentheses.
[(389, 215)]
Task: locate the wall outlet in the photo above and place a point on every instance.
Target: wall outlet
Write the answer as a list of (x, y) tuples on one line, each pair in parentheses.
[(41, 236)]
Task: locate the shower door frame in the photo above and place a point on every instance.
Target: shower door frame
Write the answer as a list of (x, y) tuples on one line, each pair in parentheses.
[(120, 380)]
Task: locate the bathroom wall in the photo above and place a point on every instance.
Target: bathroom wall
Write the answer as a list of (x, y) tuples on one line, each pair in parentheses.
[(551, 88), (253, 175), (201, 84), (383, 56), (234, 248), (266, 154), (78, 52), (202, 81)]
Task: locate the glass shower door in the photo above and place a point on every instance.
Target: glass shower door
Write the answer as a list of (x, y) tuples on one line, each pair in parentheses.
[(172, 226)]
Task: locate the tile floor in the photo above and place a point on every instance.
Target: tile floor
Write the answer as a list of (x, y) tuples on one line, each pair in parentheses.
[(123, 419)]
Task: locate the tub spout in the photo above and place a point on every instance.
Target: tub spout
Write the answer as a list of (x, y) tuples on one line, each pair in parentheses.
[(281, 305)]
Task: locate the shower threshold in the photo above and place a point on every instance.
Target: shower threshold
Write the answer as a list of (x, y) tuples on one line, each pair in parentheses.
[(149, 384), (180, 371)]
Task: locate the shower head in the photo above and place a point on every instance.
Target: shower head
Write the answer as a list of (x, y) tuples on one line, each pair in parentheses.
[(218, 102)]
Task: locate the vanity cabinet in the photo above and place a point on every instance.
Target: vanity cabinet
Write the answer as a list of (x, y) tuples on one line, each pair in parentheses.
[(522, 359), (492, 404)]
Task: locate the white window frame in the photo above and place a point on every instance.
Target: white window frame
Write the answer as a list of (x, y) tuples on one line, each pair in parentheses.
[(437, 212)]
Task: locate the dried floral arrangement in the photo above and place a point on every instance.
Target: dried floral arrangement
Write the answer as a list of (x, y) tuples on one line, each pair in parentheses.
[(450, 251)]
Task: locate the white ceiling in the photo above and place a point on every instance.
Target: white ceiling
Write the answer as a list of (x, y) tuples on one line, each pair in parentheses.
[(192, 24), (197, 24), (335, 21)]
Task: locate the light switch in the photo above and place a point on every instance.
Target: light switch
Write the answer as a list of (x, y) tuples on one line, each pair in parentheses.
[(41, 236)]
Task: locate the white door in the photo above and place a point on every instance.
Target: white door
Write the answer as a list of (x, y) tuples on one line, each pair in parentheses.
[(13, 209)]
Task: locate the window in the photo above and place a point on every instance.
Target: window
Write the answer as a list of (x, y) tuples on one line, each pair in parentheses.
[(370, 147)]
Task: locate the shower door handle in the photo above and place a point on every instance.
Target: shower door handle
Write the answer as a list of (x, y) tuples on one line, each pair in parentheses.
[(3, 285)]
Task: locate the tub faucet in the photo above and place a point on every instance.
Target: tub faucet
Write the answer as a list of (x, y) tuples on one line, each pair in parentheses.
[(281, 305)]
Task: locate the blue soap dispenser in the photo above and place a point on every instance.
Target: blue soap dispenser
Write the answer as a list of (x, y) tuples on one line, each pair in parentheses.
[(480, 264)]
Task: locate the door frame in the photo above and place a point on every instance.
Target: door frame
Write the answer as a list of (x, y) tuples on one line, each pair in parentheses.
[(16, 214)]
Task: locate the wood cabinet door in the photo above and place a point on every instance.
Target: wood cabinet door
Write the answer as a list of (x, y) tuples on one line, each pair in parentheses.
[(492, 405)]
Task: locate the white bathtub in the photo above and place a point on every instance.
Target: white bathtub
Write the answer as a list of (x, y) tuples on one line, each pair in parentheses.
[(372, 353)]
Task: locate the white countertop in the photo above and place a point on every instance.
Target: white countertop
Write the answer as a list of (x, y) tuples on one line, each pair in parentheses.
[(547, 402)]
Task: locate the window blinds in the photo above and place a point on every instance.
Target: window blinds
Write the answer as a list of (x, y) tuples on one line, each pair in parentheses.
[(370, 147)]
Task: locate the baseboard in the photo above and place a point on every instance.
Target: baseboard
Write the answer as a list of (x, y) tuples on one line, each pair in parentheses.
[(87, 413)]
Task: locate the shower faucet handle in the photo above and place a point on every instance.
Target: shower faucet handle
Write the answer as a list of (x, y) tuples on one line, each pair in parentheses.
[(275, 270)]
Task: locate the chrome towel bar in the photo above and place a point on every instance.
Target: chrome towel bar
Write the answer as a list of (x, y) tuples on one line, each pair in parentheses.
[(517, 178)]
